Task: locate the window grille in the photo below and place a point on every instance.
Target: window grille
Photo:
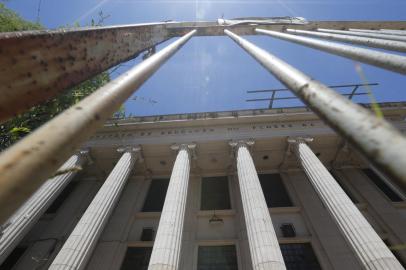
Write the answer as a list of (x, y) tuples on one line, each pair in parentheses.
[(299, 256), (156, 195), (136, 258), (215, 193), (274, 190), (147, 234), (382, 185), (217, 258), (288, 230)]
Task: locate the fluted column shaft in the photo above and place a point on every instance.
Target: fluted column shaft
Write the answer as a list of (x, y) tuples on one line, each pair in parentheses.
[(366, 243), (263, 243), (26, 217), (167, 246), (78, 248)]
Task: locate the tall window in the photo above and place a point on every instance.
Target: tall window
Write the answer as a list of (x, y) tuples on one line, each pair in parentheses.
[(156, 195), (13, 258), (136, 258), (299, 256), (217, 258), (387, 190), (53, 208), (346, 190), (274, 190), (395, 253), (215, 194)]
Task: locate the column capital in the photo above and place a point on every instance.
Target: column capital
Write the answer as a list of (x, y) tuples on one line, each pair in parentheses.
[(236, 143), (133, 149), (293, 140), (85, 153), (129, 148), (190, 147)]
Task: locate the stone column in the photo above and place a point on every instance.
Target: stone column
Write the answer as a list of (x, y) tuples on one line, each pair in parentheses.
[(263, 243), (369, 248), (167, 246), (28, 214), (78, 248)]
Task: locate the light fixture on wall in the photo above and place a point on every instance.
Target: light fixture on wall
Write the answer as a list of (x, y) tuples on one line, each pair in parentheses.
[(215, 219)]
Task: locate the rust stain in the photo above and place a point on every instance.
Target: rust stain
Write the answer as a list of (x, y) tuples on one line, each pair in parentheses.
[(41, 64)]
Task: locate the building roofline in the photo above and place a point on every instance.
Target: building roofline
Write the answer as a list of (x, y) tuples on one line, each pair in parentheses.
[(236, 113)]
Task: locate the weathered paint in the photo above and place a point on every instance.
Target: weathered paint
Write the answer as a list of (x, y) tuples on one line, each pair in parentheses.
[(27, 164), (37, 65), (381, 143)]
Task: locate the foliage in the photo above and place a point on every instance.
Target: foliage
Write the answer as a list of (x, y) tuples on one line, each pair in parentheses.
[(23, 124), (11, 21)]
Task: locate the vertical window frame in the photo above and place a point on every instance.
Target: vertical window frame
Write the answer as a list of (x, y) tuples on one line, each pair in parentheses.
[(284, 185), (142, 210), (227, 180)]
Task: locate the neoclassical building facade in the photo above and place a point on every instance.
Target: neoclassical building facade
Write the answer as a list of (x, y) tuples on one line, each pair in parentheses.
[(248, 190)]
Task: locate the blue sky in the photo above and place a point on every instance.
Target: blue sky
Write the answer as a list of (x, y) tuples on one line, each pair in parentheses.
[(213, 73)]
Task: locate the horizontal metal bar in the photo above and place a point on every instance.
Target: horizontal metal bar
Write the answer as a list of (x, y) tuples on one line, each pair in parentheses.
[(381, 143), (331, 86), (387, 61), (363, 34), (388, 32), (370, 42), (283, 98), (37, 65), (27, 164), (268, 99)]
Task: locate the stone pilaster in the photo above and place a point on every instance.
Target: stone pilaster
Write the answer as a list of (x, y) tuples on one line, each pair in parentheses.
[(78, 248), (167, 246), (370, 250), (263, 243), (28, 214)]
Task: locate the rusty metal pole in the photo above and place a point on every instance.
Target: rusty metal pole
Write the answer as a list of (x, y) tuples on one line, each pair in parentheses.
[(392, 45), (26, 165), (387, 61), (38, 65), (363, 34), (381, 143)]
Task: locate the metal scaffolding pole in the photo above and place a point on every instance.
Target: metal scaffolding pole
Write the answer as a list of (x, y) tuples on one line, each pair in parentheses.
[(387, 61), (363, 34), (381, 31), (370, 42), (27, 164), (38, 65), (381, 143)]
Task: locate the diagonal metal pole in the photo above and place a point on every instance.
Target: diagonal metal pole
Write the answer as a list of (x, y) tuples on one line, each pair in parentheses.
[(392, 45), (363, 34), (381, 143), (272, 99), (387, 61), (353, 92), (27, 164), (381, 31)]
